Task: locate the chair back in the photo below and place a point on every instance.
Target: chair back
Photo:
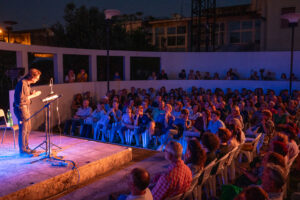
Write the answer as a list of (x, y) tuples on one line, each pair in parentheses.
[(237, 152), (255, 142), (221, 163), (206, 172), (231, 156), (193, 185)]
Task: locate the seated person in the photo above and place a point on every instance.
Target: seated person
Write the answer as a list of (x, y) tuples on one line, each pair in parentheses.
[(195, 156), (177, 179), (252, 193), (82, 76), (78, 119), (253, 175), (224, 135), (238, 135), (215, 123), (273, 180), (180, 124), (91, 121), (211, 143), (76, 103), (235, 113), (138, 181), (164, 121), (141, 122), (70, 77), (115, 116), (126, 123)]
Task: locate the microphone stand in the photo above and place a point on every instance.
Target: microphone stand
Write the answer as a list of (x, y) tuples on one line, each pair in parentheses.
[(47, 140)]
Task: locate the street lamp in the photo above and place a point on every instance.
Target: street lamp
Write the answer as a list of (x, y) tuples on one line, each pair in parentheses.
[(293, 19), (1, 35), (108, 15)]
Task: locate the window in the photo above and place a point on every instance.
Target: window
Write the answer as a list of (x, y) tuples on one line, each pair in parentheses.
[(284, 22), (172, 41), (247, 37), (235, 37), (172, 30), (247, 25), (180, 40), (181, 30), (234, 26), (159, 31)]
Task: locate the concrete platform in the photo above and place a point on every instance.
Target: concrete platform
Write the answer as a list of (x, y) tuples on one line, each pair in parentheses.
[(40, 180)]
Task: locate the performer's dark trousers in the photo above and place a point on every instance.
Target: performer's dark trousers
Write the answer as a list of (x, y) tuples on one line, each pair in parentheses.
[(22, 113)]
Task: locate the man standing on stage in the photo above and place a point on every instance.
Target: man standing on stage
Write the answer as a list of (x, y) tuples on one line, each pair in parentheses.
[(22, 100)]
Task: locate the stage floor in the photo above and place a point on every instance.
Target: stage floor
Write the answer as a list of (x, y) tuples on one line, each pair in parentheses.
[(17, 172)]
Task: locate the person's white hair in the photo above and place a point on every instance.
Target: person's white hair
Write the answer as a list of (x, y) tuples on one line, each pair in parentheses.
[(175, 149)]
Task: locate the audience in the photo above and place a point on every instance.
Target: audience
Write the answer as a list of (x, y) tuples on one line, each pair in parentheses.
[(195, 156), (70, 77), (78, 119), (138, 181), (82, 76), (178, 177), (196, 115), (163, 75)]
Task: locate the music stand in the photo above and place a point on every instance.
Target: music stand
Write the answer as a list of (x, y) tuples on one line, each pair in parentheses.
[(49, 100)]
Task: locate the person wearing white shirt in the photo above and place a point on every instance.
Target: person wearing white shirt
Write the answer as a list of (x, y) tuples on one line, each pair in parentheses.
[(81, 114)]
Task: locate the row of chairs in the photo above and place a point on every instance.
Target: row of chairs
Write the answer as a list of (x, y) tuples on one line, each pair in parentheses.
[(218, 171)]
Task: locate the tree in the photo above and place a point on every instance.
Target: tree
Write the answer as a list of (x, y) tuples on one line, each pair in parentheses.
[(86, 28)]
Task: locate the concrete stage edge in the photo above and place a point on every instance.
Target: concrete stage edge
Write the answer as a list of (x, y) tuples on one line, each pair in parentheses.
[(40, 180)]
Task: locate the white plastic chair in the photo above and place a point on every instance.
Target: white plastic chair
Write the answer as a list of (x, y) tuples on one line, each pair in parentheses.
[(212, 181), (128, 136), (145, 139), (250, 154), (193, 185), (232, 165), (228, 163), (197, 193), (14, 128)]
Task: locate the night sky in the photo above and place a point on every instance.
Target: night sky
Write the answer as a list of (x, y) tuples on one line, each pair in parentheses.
[(31, 14)]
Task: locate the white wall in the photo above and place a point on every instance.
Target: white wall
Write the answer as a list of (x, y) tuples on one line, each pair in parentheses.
[(172, 62), (98, 89), (243, 62)]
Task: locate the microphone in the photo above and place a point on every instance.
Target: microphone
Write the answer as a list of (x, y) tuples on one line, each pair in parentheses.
[(51, 86)]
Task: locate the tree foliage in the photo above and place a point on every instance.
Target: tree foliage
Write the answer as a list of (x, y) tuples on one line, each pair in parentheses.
[(86, 28)]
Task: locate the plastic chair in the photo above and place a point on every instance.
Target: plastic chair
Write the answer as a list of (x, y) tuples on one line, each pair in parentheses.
[(193, 185), (14, 128), (212, 181), (128, 136), (197, 193), (228, 164), (250, 153), (145, 139), (232, 165)]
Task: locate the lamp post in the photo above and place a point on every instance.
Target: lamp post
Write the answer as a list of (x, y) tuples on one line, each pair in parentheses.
[(108, 15), (293, 19)]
